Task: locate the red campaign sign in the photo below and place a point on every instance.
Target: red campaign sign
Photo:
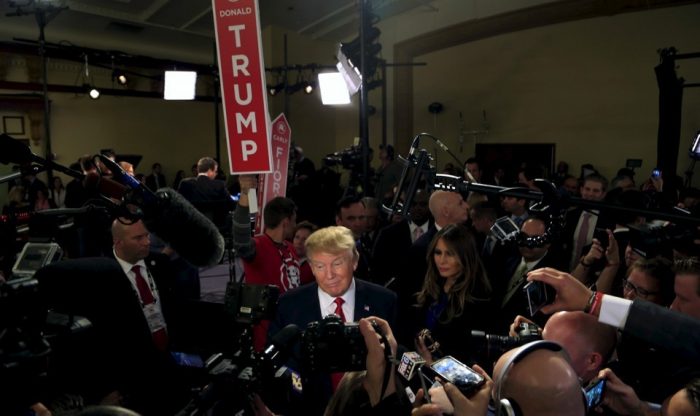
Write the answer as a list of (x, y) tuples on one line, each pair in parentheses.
[(242, 78), (275, 184)]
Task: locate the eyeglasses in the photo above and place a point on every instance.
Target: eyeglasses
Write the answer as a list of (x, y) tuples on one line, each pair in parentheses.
[(627, 285)]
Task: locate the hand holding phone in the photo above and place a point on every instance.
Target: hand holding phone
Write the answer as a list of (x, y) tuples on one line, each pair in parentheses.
[(594, 393), (538, 294), (449, 369)]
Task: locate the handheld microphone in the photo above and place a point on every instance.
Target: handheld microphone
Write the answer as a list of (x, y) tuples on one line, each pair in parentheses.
[(410, 363)]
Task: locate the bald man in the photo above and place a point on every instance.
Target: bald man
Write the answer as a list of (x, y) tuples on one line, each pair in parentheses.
[(588, 342), (542, 383)]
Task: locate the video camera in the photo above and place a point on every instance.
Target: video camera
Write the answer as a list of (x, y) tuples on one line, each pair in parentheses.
[(649, 241), (493, 346), (349, 158)]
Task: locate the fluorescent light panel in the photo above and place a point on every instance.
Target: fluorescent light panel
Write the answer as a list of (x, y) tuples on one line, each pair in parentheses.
[(333, 89), (179, 85)]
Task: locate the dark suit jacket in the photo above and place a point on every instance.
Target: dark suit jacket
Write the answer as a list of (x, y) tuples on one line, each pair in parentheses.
[(203, 189), (671, 330), (517, 304), (300, 306), (151, 182), (210, 197), (117, 352), (391, 247)]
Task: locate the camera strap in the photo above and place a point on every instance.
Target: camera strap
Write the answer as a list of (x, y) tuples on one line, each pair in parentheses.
[(387, 358)]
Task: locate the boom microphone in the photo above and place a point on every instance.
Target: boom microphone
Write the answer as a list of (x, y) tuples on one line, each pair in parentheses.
[(181, 225), (127, 180), (105, 186), (172, 218), (14, 151)]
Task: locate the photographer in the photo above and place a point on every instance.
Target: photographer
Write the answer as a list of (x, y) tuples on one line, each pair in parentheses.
[(589, 343), (681, 333)]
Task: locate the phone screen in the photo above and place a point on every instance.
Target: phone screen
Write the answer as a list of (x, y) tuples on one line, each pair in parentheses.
[(457, 373), (594, 393), (536, 296), (187, 360), (655, 173)]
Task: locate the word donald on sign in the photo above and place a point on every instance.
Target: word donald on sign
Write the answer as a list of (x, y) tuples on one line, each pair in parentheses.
[(242, 78)]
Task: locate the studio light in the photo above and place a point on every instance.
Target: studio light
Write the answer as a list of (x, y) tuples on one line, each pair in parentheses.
[(333, 89), (180, 85), (93, 92), (120, 77), (309, 87)]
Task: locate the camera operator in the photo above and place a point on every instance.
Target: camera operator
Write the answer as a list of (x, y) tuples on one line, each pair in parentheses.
[(589, 343), (333, 257)]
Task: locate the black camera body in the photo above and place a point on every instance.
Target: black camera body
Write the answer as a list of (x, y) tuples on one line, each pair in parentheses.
[(349, 158), (331, 345), (492, 346)]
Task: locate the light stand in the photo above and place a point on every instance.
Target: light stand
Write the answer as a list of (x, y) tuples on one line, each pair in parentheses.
[(43, 16)]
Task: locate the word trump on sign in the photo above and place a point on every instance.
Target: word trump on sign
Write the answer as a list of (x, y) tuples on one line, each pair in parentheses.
[(242, 77)]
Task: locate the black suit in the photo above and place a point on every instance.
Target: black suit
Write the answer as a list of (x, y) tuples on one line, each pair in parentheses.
[(209, 196), (117, 352), (301, 306), (152, 184), (517, 304), (390, 247)]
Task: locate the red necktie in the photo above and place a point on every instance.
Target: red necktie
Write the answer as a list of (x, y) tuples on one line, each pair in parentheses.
[(335, 377), (160, 337), (339, 308)]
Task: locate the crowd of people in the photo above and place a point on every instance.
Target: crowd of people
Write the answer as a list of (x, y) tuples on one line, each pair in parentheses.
[(626, 308)]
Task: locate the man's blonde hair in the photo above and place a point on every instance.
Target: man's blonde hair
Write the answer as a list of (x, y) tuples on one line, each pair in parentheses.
[(334, 240)]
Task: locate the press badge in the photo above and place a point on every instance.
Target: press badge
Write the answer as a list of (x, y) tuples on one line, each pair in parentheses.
[(154, 317)]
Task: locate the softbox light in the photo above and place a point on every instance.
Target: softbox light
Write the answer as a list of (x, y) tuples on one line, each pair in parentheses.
[(333, 89), (179, 85)]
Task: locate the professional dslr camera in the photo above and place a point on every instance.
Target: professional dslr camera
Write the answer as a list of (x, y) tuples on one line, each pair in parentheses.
[(492, 346), (331, 345)]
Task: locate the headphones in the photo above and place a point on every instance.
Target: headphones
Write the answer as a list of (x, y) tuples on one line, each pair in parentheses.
[(506, 406)]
